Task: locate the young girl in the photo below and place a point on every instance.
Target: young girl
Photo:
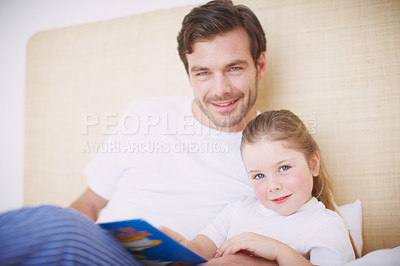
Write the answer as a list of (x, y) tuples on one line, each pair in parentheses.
[(291, 220)]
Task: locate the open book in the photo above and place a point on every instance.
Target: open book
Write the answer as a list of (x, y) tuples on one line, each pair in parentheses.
[(146, 242)]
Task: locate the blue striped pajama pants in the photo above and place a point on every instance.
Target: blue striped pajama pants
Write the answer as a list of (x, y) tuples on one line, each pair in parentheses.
[(57, 236)]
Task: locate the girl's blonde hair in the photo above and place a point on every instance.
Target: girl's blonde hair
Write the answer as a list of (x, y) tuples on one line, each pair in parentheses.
[(284, 125)]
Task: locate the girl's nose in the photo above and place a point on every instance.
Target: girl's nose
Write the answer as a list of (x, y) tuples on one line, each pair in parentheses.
[(274, 185)]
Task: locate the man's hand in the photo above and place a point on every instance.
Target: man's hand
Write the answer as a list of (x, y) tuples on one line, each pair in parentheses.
[(175, 235), (200, 244)]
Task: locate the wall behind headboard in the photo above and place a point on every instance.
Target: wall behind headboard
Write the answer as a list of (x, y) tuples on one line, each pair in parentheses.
[(334, 63)]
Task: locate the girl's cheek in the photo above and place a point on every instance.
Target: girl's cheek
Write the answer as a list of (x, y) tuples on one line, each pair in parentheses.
[(259, 192)]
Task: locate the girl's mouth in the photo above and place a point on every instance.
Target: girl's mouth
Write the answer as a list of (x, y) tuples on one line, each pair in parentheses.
[(281, 199)]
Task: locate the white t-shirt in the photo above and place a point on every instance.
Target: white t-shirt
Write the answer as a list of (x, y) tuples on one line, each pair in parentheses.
[(164, 166), (312, 228)]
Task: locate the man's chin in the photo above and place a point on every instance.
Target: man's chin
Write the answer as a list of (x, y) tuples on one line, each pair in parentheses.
[(226, 123)]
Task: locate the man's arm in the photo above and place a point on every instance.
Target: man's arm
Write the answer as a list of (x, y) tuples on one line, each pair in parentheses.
[(89, 204), (239, 259)]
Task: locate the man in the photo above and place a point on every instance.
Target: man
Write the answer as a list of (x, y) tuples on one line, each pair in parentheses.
[(185, 166), (223, 66)]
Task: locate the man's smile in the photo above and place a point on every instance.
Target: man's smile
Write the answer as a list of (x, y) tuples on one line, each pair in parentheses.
[(225, 104)]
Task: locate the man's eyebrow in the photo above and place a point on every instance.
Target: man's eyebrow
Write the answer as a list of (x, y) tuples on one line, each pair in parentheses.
[(236, 62), (198, 68)]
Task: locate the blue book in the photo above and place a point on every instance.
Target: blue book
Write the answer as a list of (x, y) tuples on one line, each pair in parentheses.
[(146, 242)]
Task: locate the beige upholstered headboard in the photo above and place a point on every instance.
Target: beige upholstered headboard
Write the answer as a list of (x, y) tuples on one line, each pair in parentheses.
[(334, 63)]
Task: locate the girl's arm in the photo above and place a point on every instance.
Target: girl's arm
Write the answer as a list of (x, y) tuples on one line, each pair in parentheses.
[(263, 247), (200, 244)]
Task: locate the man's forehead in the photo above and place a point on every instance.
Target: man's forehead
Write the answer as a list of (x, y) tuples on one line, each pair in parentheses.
[(223, 50), (236, 33)]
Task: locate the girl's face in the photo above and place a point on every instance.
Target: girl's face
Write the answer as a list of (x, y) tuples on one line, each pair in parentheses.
[(281, 177)]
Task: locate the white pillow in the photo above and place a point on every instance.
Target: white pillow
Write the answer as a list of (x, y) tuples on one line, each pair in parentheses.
[(352, 216), (387, 257)]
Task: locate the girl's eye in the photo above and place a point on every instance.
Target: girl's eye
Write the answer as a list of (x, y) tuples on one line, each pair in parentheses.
[(284, 168), (259, 176)]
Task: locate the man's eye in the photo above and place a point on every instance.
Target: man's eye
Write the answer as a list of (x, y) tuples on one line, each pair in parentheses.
[(236, 68), (259, 176), (284, 168), (204, 73)]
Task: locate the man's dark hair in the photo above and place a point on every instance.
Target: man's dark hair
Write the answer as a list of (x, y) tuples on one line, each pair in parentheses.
[(216, 17)]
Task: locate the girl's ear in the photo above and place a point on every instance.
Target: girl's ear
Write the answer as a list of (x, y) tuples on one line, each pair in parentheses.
[(314, 164)]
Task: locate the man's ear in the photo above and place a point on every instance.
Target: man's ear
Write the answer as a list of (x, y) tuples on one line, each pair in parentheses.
[(315, 164), (261, 65)]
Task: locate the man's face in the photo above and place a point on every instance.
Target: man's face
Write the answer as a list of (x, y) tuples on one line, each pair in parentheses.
[(224, 79)]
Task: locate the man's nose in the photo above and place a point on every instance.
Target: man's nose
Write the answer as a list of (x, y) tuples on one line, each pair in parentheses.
[(222, 85)]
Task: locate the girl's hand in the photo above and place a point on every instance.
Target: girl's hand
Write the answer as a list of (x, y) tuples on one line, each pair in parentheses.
[(252, 243), (175, 235)]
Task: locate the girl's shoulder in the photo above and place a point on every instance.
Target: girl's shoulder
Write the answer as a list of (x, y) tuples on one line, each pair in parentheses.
[(325, 218), (316, 210)]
